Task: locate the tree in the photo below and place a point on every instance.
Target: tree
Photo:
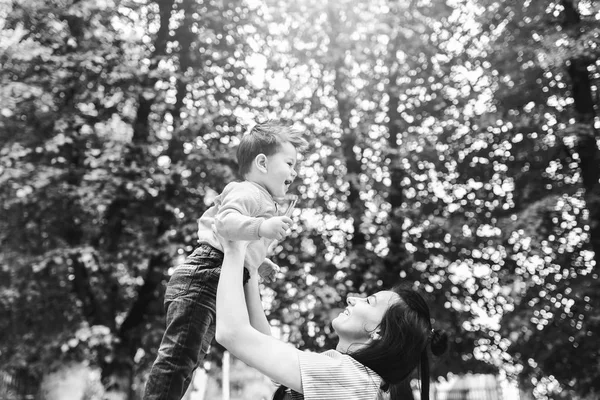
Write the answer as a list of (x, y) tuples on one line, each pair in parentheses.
[(453, 147), (110, 143), (537, 169), (351, 72)]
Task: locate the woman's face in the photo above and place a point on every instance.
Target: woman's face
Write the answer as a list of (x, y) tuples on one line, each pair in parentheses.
[(363, 315)]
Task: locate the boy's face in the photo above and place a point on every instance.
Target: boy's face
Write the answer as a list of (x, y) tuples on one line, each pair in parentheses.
[(280, 170)]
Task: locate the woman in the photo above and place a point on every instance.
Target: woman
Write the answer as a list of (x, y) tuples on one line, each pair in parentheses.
[(382, 339)]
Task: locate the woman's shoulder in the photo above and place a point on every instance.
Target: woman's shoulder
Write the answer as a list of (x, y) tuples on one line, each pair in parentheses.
[(334, 372), (347, 360), (338, 357), (334, 357)]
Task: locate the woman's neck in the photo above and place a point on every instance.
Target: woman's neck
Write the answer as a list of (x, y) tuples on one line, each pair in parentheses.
[(346, 347)]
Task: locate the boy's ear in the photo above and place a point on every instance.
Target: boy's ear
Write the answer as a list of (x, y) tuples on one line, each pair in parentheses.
[(261, 162)]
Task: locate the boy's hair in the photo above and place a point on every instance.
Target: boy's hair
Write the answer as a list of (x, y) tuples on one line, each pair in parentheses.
[(266, 138)]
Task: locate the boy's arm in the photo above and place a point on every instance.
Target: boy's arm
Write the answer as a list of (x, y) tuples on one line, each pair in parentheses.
[(256, 313), (234, 220)]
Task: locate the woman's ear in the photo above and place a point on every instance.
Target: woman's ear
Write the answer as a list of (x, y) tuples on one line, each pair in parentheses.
[(375, 335), (261, 162)]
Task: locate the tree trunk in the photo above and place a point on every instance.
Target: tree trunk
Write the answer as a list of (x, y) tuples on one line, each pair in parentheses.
[(588, 135), (94, 311), (146, 99), (118, 374), (397, 256), (349, 136)]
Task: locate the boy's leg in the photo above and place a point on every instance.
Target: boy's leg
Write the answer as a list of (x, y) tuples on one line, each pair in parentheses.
[(190, 304)]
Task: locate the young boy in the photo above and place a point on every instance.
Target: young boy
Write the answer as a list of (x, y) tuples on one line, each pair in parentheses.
[(245, 210)]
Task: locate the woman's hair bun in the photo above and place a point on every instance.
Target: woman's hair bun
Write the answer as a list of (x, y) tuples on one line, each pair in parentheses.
[(439, 342)]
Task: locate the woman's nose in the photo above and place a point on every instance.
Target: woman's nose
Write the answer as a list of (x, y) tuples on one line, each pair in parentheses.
[(294, 173), (351, 300)]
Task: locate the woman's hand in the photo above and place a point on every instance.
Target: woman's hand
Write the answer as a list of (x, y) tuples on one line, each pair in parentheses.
[(234, 246)]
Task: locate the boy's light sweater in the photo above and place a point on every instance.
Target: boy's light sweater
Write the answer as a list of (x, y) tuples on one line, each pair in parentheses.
[(237, 214)]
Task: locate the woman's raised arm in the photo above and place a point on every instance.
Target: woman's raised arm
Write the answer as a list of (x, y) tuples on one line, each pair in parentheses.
[(275, 359), (254, 305)]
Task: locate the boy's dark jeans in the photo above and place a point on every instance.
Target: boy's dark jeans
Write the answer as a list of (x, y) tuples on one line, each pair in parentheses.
[(190, 301)]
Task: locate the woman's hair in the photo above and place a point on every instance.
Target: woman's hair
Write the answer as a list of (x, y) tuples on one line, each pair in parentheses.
[(405, 336)]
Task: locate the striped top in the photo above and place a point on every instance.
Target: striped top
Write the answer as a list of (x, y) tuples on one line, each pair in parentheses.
[(335, 376)]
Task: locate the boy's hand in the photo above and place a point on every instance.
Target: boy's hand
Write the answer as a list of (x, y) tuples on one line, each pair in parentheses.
[(267, 270), (272, 247), (275, 228)]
